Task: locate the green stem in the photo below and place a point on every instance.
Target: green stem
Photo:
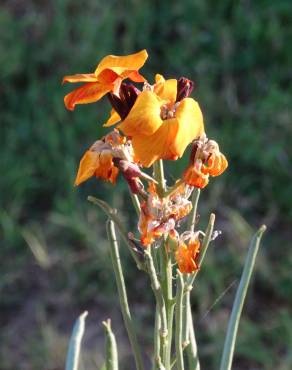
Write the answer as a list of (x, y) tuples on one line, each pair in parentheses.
[(169, 308), (166, 267), (185, 318), (111, 350), (178, 321), (157, 327), (193, 214), (136, 203), (159, 176), (115, 257), (228, 351), (112, 214), (206, 241), (189, 281), (191, 349), (186, 298), (173, 189), (160, 302)]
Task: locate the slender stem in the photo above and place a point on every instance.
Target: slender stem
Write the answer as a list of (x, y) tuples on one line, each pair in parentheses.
[(228, 351), (169, 308), (166, 267), (193, 214), (112, 214), (189, 281), (157, 328), (191, 349), (159, 176), (136, 203), (115, 257), (166, 285), (185, 319), (160, 302), (178, 321), (186, 298), (206, 241), (172, 190), (111, 357)]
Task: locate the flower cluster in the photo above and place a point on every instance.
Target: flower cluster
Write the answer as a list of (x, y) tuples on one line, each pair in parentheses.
[(152, 122), (160, 215)]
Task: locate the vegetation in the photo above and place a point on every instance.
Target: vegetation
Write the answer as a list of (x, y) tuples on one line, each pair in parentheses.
[(54, 253)]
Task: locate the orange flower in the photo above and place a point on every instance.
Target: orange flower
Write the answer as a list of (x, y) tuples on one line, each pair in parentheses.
[(206, 160), (98, 160), (162, 122), (187, 255), (109, 74)]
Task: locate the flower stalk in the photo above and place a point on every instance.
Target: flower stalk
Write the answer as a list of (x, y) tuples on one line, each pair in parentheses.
[(206, 241), (160, 302), (157, 329), (119, 276), (191, 349), (166, 272), (179, 321)]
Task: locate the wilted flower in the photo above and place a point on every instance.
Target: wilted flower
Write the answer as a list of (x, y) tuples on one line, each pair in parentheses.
[(108, 76), (187, 252), (163, 121), (159, 215), (98, 161), (206, 160)]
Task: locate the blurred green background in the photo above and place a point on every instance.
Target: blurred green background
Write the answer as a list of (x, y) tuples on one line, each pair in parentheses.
[(54, 254)]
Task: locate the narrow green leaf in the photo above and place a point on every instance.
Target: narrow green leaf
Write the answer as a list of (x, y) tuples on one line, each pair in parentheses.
[(75, 343), (111, 350), (229, 345), (112, 214)]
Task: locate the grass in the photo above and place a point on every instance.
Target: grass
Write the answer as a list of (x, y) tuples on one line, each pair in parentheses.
[(238, 56)]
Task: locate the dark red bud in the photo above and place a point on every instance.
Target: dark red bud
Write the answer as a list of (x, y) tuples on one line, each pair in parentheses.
[(193, 152), (123, 103), (117, 104), (184, 88)]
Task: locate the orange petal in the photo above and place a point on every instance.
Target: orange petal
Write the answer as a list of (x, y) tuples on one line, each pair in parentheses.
[(191, 125), (144, 117), (129, 62), (113, 119), (159, 78), (87, 166), (166, 89), (88, 93), (80, 78), (194, 178), (108, 75), (219, 165), (136, 77), (149, 148), (106, 169)]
